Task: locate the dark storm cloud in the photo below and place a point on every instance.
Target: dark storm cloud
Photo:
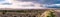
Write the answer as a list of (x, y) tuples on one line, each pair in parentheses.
[(49, 1), (43, 1), (52, 1), (6, 3)]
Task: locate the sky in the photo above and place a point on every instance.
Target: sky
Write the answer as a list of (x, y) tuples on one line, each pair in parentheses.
[(45, 1), (27, 3), (39, 1)]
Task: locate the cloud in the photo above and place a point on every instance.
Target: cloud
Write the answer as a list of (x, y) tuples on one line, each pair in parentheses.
[(49, 1), (2, 0), (29, 4), (53, 6), (22, 5), (26, 0)]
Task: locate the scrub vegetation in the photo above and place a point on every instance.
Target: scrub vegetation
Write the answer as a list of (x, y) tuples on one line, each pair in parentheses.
[(44, 13)]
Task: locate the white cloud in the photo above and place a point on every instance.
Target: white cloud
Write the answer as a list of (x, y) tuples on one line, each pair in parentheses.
[(17, 5), (54, 5)]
